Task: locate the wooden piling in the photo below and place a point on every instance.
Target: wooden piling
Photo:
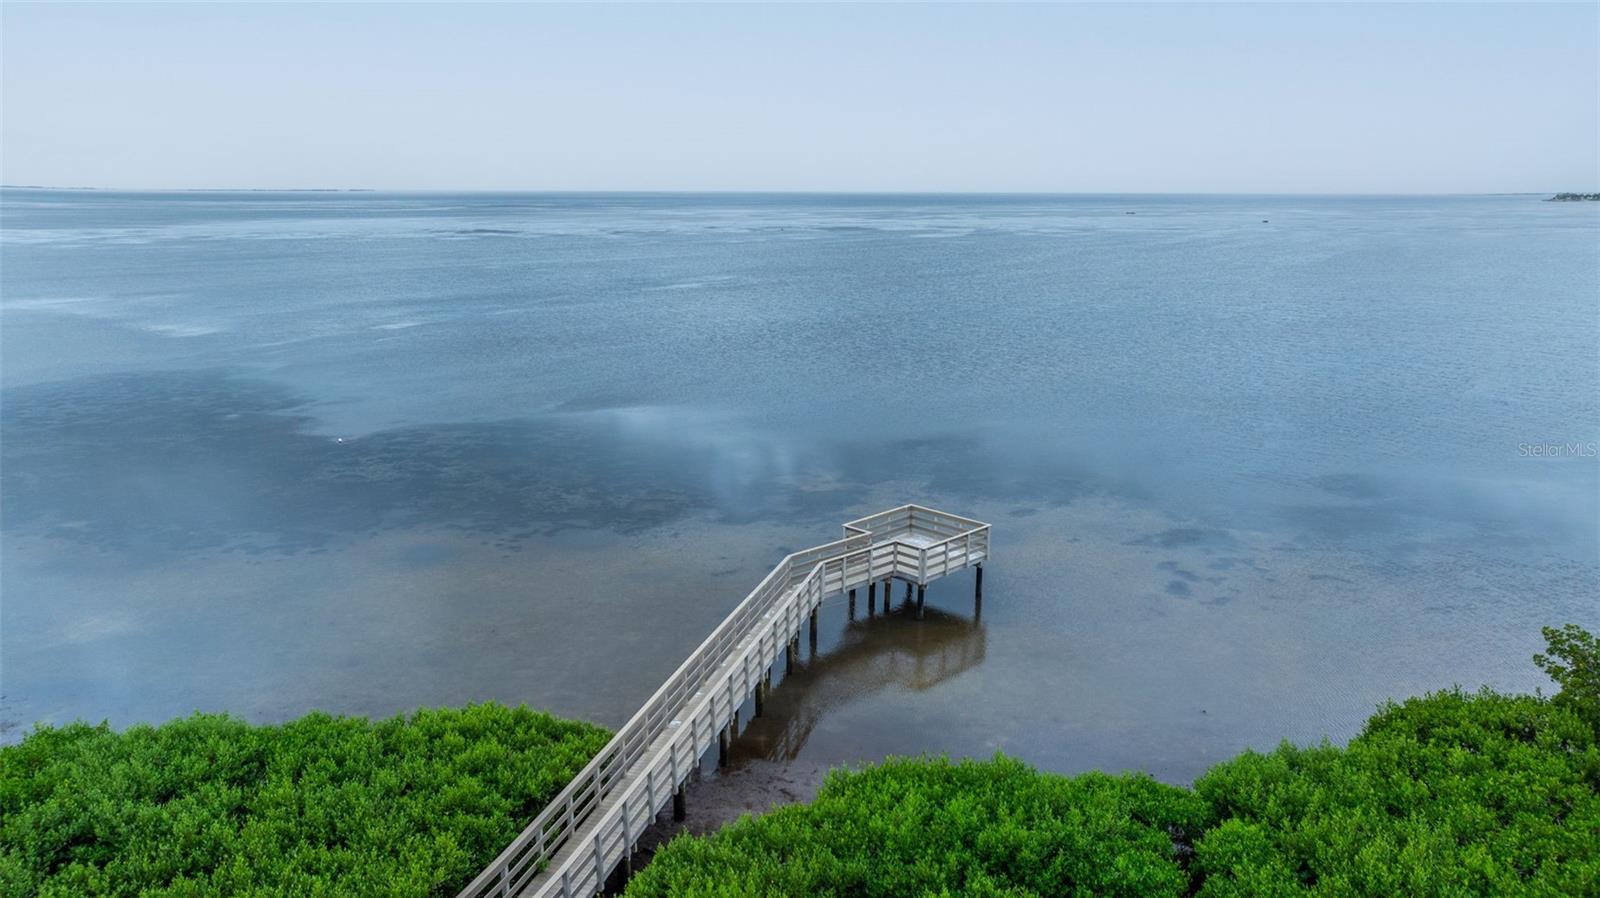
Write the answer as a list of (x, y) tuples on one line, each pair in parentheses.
[(922, 593), (680, 803), (977, 596)]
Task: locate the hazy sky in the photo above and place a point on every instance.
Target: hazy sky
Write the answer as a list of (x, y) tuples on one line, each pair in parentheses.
[(1388, 98)]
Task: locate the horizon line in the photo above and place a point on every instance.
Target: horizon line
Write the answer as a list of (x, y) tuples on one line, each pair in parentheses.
[(776, 191)]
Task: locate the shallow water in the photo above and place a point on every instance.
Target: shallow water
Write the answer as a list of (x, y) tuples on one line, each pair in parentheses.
[(1254, 464)]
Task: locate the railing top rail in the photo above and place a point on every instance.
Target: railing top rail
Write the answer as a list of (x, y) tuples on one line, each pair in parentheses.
[(586, 776), (954, 537), (888, 514), (914, 509), (971, 523)]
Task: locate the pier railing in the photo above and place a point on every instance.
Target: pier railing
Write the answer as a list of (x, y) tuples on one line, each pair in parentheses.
[(591, 825)]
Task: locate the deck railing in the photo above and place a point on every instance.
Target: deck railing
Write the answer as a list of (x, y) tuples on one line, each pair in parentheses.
[(589, 827)]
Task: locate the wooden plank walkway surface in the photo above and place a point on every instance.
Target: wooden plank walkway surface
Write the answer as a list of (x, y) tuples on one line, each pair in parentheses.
[(572, 846)]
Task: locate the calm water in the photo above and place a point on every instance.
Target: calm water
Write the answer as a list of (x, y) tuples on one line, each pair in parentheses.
[(1254, 464)]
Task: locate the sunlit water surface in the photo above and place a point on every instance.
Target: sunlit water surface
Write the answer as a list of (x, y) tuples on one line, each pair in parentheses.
[(1254, 464)]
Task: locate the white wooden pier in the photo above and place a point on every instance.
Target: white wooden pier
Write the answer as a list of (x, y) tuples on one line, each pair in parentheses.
[(590, 828)]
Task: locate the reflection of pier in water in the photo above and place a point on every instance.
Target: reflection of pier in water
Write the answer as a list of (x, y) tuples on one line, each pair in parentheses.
[(877, 651)]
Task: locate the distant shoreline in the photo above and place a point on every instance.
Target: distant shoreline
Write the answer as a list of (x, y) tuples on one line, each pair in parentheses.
[(195, 189), (771, 192)]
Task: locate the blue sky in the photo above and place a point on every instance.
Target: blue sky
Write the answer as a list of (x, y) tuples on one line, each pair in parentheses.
[(1206, 98)]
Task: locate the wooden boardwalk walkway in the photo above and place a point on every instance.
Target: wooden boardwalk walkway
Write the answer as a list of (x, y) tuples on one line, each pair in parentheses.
[(572, 846)]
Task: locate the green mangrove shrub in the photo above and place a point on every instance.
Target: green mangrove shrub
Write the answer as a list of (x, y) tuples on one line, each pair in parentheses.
[(322, 806), (1572, 659), (1452, 794), (912, 827)]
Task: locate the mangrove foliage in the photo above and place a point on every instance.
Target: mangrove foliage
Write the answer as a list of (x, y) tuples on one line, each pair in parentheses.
[(1453, 794), (322, 806)]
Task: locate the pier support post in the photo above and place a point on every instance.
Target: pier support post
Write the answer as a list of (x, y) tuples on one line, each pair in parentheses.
[(813, 631), (872, 597), (922, 592), (908, 590), (977, 596), (790, 649), (680, 803), (852, 604), (724, 742), (761, 696)]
